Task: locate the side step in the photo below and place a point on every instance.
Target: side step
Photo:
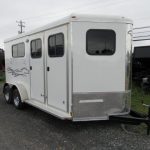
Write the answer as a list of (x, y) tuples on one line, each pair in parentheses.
[(134, 118)]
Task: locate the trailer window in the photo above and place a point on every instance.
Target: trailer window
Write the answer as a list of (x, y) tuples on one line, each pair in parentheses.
[(142, 52), (56, 45), (100, 42), (14, 51), (36, 48), (18, 50)]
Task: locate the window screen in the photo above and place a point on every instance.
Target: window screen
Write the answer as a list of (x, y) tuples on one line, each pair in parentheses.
[(101, 42), (36, 48), (21, 50), (15, 51), (56, 45), (18, 50)]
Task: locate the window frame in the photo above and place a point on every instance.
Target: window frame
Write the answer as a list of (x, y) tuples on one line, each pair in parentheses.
[(54, 35), (35, 46), (100, 54), (17, 50)]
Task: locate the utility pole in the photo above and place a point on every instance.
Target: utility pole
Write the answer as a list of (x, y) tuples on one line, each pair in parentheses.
[(21, 25)]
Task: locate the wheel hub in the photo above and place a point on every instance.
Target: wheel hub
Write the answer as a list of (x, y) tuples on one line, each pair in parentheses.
[(7, 96), (16, 101)]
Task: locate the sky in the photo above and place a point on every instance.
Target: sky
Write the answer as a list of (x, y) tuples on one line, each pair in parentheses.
[(36, 13)]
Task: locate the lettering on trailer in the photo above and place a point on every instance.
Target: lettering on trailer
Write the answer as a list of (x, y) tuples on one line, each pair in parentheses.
[(18, 72)]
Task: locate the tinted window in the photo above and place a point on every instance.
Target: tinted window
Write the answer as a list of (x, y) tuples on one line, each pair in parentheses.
[(142, 52), (18, 50), (51, 49), (101, 42), (36, 48), (56, 45)]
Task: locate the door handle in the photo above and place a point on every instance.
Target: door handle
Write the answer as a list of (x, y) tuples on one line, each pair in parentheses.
[(30, 67), (48, 69)]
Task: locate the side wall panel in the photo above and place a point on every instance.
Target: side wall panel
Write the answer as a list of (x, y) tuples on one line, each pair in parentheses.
[(17, 69)]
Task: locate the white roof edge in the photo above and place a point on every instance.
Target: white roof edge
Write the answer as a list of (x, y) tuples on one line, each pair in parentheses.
[(104, 18), (74, 17)]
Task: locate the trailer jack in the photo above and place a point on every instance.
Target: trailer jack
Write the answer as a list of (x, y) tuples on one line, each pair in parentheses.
[(134, 118)]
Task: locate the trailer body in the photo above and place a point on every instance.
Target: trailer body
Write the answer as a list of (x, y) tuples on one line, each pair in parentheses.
[(77, 68)]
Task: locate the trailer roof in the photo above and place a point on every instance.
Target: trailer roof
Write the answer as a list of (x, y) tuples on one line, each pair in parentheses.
[(73, 18)]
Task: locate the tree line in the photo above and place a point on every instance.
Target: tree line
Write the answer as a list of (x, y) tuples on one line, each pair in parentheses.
[(2, 59)]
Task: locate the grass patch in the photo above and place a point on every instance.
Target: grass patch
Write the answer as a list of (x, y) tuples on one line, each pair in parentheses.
[(136, 104), (2, 77), (136, 100)]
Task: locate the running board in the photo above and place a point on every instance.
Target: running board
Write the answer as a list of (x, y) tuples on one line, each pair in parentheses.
[(55, 112)]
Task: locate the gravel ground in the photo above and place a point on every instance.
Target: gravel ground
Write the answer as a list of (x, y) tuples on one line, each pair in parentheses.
[(32, 129)]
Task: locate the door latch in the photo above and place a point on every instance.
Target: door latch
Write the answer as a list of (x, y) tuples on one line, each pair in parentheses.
[(30, 67), (48, 69), (42, 95)]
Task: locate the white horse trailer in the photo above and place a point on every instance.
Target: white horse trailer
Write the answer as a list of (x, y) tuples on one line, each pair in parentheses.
[(77, 68)]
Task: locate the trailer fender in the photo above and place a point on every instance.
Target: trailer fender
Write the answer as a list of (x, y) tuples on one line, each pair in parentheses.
[(22, 90)]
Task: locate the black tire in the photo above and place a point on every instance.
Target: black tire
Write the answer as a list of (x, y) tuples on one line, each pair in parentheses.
[(7, 94), (17, 99)]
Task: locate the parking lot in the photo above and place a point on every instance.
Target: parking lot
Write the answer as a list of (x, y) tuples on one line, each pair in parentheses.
[(32, 129)]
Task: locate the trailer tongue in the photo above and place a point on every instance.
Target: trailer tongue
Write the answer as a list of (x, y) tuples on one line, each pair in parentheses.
[(134, 118)]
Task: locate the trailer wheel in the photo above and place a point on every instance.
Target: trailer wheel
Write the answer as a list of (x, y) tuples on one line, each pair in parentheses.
[(7, 94), (17, 99)]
